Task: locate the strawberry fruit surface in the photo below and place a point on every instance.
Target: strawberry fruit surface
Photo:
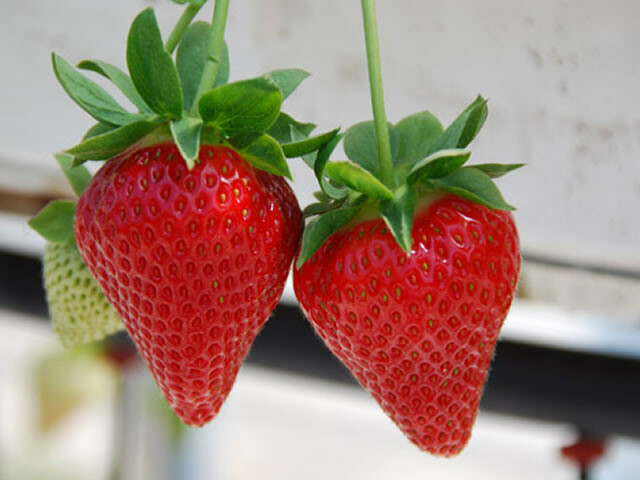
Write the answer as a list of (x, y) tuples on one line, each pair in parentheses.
[(194, 261), (417, 330)]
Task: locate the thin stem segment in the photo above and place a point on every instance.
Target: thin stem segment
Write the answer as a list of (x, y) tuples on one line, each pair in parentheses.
[(377, 96), (181, 26), (214, 50)]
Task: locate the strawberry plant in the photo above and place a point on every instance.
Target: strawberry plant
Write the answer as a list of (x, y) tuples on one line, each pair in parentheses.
[(409, 266), (189, 226)]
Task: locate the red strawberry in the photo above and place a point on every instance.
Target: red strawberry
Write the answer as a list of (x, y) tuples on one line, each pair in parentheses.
[(193, 261), (418, 331), (189, 227)]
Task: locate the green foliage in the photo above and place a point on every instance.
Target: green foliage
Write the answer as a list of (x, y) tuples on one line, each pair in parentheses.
[(288, 80), (464, 128), (191, 58), (284, 126), (361, 147), (496, 170), (472, 184), (266, 154), (321, 228), (438, 164), (89, 96), (308, 145), (245, 106), (398, 215), (55, 221), (151, 67), (358, 179), (119, 79), (111, 143), (78, 177), (186, 134), (415, 135)]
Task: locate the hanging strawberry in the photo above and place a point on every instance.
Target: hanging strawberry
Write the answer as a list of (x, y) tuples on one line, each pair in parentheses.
[(189, 227), (409, 267)]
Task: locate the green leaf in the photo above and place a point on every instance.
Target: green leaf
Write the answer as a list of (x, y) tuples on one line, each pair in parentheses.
[(308, 145), (265, 153), (78, 177), (186, 134), (321, 228), (472, 184), (90, 96), (107, 145), (55, 221), (151, 66), (98, 129), (281, 128), (398, 215), (361, 146), (319, 208), (495, 170), (245, 106), (288, 79), (464, 128), (319, 164), (119, 79), (192, 57), (415, 135), (438, 164), (358, 179)]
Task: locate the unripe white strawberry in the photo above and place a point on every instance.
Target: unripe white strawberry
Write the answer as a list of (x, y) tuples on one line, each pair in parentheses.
[(78, 309)]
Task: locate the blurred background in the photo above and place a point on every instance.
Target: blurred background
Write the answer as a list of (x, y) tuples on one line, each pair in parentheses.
[(561, 77)]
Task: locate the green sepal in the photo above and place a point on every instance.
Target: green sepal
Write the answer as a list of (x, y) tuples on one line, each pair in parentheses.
[(78, 177), (107, 145), (119, 79), (281, 129), (398, 215), (361, 146), (55, 221), (321, 196), (98, 129), (464, 128), (308, 145), (496, 170), (321, 228), (358, 179), (415, 135), (245, 106), (472, 184), (320, 208), (263, 152), (319, 162), (438, 164), (191, 58), (186, 134), (151, 67), (288, 79), (89, 96)]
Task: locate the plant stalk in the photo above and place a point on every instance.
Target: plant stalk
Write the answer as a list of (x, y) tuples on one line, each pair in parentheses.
[(214, 50), (377, 96), (181, 26)]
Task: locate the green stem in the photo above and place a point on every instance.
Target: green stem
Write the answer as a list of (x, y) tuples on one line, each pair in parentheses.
[(183, 22), (214, 50), (377, 96)]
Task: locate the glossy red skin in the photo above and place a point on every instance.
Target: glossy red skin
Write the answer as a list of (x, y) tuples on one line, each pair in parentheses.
[(193, 261), (418, 332)]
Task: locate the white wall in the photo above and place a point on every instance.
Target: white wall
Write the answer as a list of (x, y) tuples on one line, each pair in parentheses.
[(562, 77)]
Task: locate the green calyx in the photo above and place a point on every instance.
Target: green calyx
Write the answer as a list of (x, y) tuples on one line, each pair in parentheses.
[(188, 96), (426, 159)]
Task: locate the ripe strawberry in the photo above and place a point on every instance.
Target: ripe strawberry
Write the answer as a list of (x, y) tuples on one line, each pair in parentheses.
[(417, 330), (78, 309), (189, 227), (193, 261)]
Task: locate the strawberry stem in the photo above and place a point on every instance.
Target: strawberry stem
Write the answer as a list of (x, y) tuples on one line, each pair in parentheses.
[(377, 96), (181, 26), (214, 50)]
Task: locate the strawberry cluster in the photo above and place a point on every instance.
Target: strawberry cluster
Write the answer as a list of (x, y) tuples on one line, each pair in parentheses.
[(186, 234)]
